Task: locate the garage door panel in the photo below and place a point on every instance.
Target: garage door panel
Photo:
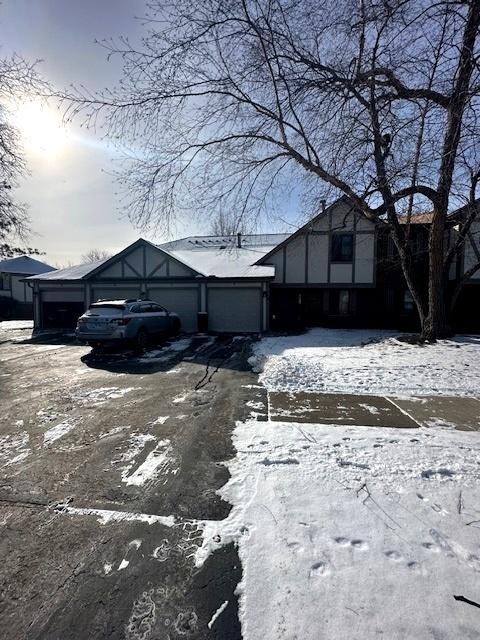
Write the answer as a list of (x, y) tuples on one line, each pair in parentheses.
[(234, 310), (59, 295), (115, 293), (183, 301)]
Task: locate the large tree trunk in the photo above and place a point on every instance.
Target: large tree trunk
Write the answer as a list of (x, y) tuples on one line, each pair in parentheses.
[(436, 324)]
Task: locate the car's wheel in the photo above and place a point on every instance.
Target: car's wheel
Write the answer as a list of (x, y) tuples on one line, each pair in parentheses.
[(96, 346), (142, 338)]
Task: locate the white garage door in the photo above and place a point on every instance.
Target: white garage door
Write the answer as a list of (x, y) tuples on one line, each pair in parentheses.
[(115, 293), (234, 310), (62, 295), (183, 301)]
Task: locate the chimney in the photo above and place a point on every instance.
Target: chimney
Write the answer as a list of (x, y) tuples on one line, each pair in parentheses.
[(323, 204), (239, 240)]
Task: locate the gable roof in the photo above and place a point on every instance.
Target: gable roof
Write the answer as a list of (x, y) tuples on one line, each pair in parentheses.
[(229, 262), (76, 272), (207, 256), (301, 230), (248, 241), (24, 265)]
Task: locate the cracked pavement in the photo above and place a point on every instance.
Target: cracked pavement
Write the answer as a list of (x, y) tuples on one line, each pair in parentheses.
[(96, 453)]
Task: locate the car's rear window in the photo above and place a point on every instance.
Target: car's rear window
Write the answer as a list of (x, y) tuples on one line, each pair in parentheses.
[(106, 309)]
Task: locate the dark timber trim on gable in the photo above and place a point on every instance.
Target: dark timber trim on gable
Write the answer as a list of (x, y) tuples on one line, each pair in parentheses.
[(122, 255)]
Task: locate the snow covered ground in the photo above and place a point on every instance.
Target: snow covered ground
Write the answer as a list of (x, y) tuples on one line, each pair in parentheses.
[(356, 532), (15, 325), (369, 362)]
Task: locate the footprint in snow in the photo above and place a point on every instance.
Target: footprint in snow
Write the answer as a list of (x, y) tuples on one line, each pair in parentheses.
[(415, 567), (359, 545), (319, 569), (420, 497), (394, 556), (342, 542)]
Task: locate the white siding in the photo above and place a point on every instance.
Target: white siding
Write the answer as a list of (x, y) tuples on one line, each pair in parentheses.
[(341, 273), (20, 290), (178, 270), (295, 260), (318, 259), (113, 271), (276, 260), (343, 219), (153, 260), (135, 260), (364, 258)]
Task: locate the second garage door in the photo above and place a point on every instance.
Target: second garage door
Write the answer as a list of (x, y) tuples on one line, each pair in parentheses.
[(234, 310), (183, 301)]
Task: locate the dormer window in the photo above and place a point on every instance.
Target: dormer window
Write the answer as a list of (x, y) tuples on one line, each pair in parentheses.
[(342, 247)]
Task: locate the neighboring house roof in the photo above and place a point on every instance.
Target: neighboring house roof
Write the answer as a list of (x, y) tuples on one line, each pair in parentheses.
[(416, 218), (24, 265)]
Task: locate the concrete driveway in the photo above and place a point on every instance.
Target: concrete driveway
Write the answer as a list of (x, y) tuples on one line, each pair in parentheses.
[(108, 466)]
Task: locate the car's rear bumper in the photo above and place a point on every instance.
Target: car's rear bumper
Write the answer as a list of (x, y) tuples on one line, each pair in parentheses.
[(91, 336)]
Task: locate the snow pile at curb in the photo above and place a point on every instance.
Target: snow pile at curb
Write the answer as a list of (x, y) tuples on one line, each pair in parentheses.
[(352, 532), (367, 362)]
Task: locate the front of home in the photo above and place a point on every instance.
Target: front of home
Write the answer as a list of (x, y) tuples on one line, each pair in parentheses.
[(338, 270)]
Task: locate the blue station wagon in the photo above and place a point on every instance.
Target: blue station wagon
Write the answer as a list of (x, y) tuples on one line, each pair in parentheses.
[(130, 320)]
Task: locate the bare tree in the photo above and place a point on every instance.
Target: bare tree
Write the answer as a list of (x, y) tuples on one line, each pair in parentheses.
[(95, 255), (18, 80), (226, 225), (377, 100)]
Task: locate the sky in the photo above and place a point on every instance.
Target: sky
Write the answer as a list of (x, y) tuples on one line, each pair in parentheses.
[(72, 197)]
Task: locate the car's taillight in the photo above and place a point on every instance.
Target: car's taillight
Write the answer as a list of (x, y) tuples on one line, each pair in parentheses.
[(120, 321)]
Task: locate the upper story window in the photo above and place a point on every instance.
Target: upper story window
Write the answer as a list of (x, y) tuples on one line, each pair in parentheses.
[(342, 247)]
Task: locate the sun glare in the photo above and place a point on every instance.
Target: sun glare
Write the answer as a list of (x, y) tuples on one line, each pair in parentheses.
[(41, 128)]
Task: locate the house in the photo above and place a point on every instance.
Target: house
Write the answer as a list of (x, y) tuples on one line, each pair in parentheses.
[(339, 269), (15, 293)]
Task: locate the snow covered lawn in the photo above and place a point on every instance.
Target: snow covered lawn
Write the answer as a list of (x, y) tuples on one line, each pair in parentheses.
[(371, 362), (15, 325), (354, 532)]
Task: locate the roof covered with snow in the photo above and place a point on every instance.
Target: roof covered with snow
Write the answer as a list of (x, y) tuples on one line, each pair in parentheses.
[(255, 240), (24, 265), (209, 256), (229, 262), (76, 272)]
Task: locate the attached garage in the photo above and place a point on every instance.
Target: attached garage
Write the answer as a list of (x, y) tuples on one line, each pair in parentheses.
[(60, 308), (120, 292), (235, 309), (188, 276), (182, 300)]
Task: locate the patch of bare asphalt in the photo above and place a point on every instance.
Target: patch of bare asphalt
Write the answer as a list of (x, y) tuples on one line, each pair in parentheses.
[(101, 439)]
